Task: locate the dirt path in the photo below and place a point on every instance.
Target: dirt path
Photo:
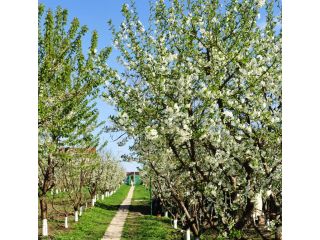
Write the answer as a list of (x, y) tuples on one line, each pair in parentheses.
[(114, 230)]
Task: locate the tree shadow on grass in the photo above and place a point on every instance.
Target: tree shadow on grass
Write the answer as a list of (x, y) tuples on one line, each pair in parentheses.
[(107, 207), (140, 209)]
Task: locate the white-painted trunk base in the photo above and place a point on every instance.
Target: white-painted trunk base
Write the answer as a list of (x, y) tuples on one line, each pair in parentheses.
[(80, 211), (187, 234), (102, 197), (166, 214), (76, 217), (44, 227), (175, 223), (86, 205), (66, 222), (92, 202)]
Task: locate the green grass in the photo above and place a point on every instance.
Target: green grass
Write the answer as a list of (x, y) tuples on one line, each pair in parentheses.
[(141, 226), (94, 222)]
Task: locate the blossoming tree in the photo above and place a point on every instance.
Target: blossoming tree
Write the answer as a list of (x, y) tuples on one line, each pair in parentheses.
[(201, 97), (68, 84)]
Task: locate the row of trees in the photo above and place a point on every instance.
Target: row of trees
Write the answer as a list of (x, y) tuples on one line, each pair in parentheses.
[(201, 98), (69, 82)]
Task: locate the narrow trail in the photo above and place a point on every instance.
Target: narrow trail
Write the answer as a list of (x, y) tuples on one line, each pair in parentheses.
[(114, 230)]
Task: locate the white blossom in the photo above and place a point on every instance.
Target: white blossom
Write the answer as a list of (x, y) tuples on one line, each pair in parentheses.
[(228, 113), (151, 133)]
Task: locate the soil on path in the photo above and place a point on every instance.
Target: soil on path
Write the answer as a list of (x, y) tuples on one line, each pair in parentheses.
[(114, 231)]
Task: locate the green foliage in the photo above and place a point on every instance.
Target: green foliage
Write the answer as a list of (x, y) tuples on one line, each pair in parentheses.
[(235, 234), (68, 84)]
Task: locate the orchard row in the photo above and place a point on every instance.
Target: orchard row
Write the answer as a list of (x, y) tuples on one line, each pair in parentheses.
[(69, 131)]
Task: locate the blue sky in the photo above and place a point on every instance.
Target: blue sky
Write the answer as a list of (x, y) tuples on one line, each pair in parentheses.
[(95, 14)]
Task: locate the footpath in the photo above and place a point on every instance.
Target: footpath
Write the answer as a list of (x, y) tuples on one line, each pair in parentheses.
[(114, 230)]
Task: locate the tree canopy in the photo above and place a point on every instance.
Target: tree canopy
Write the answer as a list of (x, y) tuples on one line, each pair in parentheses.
[(201, 98)]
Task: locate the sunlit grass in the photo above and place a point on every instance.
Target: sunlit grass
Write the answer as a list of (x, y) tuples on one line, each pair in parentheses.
[(141, 226), (94, 222)]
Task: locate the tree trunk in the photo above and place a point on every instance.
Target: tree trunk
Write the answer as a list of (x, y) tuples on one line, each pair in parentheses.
[(80, 211), (66, 222), (44, 214), (43, 207), (246, 216), (92, 195), (44, 227), (187, 234), (175, 223), (194, 228), (278, 233), (76, 212), (76, 216)]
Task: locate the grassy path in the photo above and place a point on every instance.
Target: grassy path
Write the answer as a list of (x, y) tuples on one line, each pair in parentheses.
[(141, 226), (92, 225)]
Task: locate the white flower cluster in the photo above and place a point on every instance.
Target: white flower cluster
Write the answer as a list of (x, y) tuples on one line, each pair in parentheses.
[(151, 134)]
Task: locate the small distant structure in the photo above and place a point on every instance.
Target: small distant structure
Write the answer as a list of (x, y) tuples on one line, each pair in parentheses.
[(133, 178)]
